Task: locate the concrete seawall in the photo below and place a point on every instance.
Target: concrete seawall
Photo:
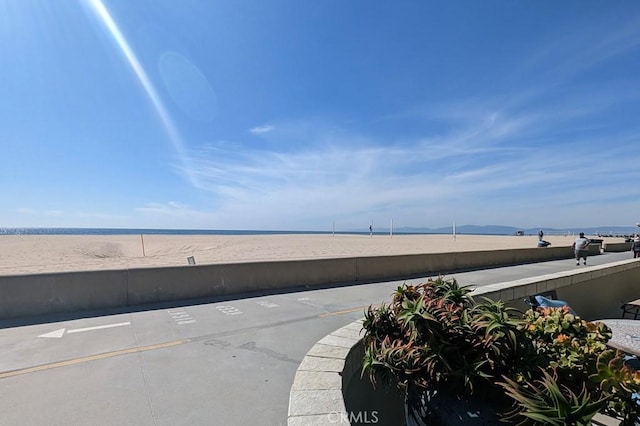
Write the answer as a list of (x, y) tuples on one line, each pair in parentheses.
[(617, 247), (40, 294)]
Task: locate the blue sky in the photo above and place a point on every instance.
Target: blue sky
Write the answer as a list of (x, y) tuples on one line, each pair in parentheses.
[(293, 115)]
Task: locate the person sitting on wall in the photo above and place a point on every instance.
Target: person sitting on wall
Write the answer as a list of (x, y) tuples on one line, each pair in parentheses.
[(541, 242)]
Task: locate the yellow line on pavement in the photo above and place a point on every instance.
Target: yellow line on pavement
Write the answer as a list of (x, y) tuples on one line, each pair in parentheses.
[(90, 358), (44, 367), (346, 311)]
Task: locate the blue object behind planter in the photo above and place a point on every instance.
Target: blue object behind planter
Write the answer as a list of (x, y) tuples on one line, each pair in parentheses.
[(550, 303)]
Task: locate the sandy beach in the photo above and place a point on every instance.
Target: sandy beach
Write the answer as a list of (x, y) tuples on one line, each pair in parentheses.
[(27, 254)]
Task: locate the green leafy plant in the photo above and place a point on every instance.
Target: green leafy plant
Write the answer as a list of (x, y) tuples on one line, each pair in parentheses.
[(622, 383), (545, 401), (434, 338), (581, 376), (443, 348)]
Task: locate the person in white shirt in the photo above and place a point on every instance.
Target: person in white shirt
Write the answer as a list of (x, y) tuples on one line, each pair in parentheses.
[(635, 246), (580, 247)]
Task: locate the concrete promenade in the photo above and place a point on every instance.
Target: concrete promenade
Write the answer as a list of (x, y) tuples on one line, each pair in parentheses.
[(223, 362)]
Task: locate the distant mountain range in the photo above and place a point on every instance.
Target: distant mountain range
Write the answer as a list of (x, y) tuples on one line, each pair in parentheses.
[(512, 230)]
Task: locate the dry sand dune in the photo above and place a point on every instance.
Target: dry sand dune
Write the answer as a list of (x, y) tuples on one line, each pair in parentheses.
[(26, 254)]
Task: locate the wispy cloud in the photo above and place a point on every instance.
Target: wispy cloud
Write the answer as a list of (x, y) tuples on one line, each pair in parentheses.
[(26, 210), (169, 208), (523, 153), (484, 158), (261, 129), (575, 52)]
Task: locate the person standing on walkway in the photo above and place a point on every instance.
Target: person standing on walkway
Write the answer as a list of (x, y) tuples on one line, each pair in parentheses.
[(540, 235), (580, 247), (635, 246)]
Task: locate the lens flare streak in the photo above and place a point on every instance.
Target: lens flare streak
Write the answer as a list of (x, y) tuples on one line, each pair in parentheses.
[(147, 85)]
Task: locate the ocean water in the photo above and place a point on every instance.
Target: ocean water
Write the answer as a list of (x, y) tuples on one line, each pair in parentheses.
[(138, 231), (135, 231)]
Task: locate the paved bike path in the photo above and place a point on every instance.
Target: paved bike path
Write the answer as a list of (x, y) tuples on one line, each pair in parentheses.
[(226, 362)]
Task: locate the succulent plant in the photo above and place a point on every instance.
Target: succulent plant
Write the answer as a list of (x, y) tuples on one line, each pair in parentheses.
[(581, 376), (548, 366), (433, 337)]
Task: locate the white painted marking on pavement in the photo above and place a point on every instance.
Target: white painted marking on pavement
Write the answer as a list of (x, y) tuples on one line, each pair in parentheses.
[(54, 334), (57, 334), (305, 301), (228, 310), (267, 304), (180, 316), (98, 327)]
